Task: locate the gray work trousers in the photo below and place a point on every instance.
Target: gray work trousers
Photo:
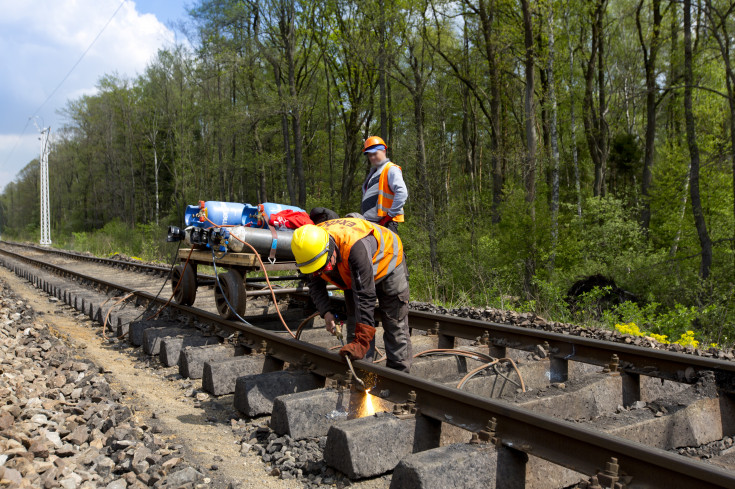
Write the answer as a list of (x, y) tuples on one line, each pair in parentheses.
[(393, 297)]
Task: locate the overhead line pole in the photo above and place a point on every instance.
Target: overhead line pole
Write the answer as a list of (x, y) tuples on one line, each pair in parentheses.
[(45, 207)]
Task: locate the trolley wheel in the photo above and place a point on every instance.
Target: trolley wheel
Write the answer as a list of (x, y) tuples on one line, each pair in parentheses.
[(234, 289), (186, 279)]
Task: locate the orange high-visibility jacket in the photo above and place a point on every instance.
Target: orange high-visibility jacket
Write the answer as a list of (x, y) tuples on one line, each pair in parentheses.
[(385, 194), (346, 232)]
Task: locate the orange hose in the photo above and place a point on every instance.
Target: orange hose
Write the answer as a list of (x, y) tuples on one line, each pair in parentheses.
[(454, 351), (474, 371), (518, 372), (482, 367), (383, 356), (303, 323), (267, 280)]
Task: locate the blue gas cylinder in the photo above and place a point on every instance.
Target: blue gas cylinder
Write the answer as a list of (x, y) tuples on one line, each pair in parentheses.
[(219, 213), (253, 214), (271, 208), (250, 216)]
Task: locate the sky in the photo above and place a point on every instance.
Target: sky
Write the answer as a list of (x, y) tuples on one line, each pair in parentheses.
[(42, 40)]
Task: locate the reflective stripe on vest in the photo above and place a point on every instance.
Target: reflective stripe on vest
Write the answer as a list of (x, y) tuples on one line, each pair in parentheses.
[(346, 232), (385, 194)]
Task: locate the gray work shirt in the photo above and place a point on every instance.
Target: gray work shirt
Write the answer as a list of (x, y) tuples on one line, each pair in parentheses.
[(371, 189)]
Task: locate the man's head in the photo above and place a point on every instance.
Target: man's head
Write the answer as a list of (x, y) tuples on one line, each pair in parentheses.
[(310, 246), (374, 149)]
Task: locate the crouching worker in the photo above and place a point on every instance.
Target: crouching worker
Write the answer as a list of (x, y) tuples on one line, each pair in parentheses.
[(366, 261)]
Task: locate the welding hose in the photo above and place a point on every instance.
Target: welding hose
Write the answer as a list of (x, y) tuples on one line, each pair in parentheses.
[(338, 334), (171, 268), (479, 369), (109, 311), (224, 296), (457, 352), (501, 374), (382, 355), (123, 299), (173, 293), (491, 362), (303, 323), (480, 357), (265, 273)]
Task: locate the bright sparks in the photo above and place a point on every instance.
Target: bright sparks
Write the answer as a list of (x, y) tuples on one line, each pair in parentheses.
[(367, 408)]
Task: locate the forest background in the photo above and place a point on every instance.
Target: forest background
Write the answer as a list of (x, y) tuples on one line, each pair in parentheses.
[(542, 141)]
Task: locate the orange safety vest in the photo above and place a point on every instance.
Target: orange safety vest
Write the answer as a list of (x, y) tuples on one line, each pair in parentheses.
[(385, 194), (348, 231)]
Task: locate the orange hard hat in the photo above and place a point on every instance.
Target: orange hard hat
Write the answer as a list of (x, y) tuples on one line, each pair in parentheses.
[(374, 141)]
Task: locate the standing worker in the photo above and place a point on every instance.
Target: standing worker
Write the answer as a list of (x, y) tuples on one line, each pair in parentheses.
[(384, 192), (366, 261)]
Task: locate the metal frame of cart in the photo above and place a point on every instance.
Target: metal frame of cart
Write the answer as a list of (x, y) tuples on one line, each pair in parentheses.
[(232, 281)]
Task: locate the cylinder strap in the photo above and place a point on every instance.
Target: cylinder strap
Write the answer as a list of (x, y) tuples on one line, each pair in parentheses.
[(274, 235)]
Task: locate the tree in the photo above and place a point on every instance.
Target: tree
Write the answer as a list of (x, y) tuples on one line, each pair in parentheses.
[(649, 62), (349, 59), (595, 122), (273, 99), (529, 168), (489, 101), (721, 26), (413, 73), (553, 134), (699, 222)]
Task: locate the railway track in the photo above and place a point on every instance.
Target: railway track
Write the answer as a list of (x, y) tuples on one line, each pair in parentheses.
[(518, 433)]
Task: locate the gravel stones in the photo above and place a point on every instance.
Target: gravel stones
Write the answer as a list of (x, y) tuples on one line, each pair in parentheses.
[(62, 425), (714, 449), (287, 458)]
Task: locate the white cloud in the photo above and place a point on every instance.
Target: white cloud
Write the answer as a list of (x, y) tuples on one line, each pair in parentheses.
[(56, 34), (40, 41)]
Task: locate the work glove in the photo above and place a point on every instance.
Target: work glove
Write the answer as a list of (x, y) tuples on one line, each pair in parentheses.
[(385, 220), (358, 347)]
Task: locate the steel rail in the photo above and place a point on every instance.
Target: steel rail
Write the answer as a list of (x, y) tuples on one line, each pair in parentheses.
[(560, 442), (146, 267), (202, 279), (632, 359)]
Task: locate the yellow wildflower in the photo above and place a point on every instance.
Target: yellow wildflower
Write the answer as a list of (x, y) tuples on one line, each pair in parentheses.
[(629, 328), (687, 339)]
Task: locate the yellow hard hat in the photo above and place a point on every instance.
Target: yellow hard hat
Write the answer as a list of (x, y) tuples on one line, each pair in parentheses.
[(309, 245)]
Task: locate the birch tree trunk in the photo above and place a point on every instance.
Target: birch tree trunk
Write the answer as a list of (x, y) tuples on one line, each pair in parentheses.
[(530, 134), (553, 134), (572, 119)]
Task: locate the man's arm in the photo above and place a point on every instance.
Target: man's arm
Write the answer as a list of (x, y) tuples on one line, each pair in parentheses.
[(363, 293), (400, 191), (363, 280)]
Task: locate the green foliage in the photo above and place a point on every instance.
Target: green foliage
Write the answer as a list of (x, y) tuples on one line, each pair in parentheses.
[(145, 241), (677, 322), (625, 154), (588, 307), (218, 122)]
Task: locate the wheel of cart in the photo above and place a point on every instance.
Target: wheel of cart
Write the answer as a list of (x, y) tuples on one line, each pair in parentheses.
[(229, 286), (230, 292), (184, 283)]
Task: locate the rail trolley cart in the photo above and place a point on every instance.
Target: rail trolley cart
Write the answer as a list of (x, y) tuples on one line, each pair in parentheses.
[(232, 281)]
